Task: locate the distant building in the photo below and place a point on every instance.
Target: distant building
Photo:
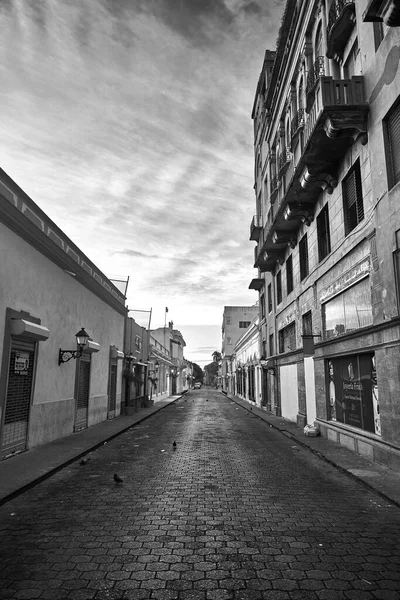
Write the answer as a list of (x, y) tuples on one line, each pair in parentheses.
[(327, 225), (173, 341), (235, 320), (245, 365)]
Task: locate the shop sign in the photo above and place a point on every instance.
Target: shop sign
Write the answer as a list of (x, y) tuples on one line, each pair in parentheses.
[(21, 363), (346, 280)]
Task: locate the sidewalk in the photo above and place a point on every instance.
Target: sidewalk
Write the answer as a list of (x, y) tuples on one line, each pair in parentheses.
[(19, 473), (381, 479)]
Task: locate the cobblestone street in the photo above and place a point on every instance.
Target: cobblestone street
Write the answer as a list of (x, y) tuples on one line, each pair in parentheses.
[(236, 511)]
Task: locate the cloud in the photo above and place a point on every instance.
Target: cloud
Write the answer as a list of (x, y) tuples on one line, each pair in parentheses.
[(133, 117)]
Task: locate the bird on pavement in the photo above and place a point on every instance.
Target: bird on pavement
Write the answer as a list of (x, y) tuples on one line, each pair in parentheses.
[(174, 445), (84, 461), (117, 478)]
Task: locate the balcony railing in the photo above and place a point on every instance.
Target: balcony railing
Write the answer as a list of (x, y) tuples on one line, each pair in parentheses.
[(342, 17), (317, 71), (336, 11), (284, 160), (297, 122), (256, 228)]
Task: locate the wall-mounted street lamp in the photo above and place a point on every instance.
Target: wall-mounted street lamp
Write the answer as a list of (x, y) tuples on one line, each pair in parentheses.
[(81, 339), (268, 365), (154, 372)]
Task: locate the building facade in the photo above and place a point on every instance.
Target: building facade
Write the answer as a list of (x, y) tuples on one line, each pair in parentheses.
[(235, 320), (172, 340), (49, 388), (327, 224), (245, 365), (135, 383)]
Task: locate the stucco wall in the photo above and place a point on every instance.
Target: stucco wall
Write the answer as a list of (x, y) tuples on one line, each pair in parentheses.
[(32, 283)]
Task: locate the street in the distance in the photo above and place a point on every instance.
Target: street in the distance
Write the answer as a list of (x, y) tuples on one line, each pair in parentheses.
[(235, 510)]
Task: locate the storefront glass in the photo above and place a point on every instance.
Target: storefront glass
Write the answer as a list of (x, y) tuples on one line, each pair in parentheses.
[(348, 311), (353, 392)]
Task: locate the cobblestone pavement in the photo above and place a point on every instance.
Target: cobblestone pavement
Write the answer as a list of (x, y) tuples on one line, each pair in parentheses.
[(237, 511)]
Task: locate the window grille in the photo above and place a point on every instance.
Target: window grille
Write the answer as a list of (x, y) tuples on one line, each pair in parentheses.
[(352, 198), (324, 238), (303, 256)]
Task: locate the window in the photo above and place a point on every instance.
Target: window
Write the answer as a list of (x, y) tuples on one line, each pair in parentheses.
[(350, 67), (269, 298), (244, 324), (262, 305), (392, 131), (278, 288), (324, 238), (348, 311), (228, 320), (138, 342), (287, 338), (353, 204), (271, 345), (380, 30), (303, 256), (307, 323), (289, 275), (229, 341)]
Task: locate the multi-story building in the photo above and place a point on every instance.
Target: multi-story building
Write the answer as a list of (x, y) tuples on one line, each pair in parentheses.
[(246, 368), (327, 225), (172, 339), (234, 322)]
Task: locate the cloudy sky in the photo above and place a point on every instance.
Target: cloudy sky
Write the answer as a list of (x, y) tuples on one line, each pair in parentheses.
[(130, 119)]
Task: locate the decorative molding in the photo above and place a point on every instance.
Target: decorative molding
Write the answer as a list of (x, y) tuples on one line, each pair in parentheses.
[(325, 181)]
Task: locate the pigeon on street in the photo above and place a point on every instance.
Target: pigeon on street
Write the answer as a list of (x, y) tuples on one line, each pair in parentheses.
[(117, 478), (174, 445), (84, 461)]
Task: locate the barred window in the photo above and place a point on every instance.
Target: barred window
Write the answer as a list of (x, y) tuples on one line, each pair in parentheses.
[(352, 198), (303, 256), (324, 237), (244, 324)]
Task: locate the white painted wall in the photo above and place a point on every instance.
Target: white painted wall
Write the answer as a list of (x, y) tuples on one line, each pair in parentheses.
[(309, 374), (289, 392)]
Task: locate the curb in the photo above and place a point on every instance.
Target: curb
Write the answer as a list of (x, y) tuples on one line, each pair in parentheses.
[(55, 470)]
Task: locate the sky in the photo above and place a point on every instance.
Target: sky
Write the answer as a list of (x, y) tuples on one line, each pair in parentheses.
[(130, 121)]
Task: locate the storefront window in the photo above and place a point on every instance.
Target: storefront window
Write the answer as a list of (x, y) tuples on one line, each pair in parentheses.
[(352, 391), (348, 311)]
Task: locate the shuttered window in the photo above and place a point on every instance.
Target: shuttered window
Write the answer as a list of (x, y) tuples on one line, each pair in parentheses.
[(324, 238), (289, 275), (303, 257), (393, 145), (269, 298), (353, 204), (279, 288)]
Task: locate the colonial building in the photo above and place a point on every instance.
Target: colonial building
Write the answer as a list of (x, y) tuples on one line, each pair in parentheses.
[(135, 384), (173, 341), (246, 369), (235, 320), (61, 330), (327, 224)]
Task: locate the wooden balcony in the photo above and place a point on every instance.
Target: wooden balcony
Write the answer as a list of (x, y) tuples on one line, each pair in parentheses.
[(256, 228), (342, 17), (336, 119)]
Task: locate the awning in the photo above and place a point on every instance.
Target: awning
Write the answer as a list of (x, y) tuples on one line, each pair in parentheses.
[(29, 330), (92, 346)]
